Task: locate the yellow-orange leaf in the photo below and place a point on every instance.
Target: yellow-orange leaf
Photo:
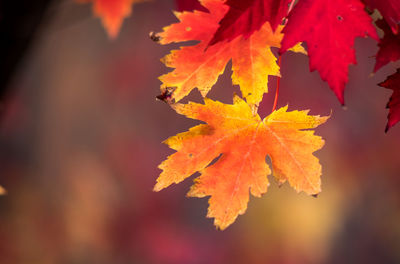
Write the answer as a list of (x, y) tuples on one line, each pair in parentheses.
[(112, 13), (199, 66), (244, 140)]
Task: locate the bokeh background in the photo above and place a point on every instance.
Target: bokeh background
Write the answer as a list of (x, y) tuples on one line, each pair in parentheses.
[(80, 142)]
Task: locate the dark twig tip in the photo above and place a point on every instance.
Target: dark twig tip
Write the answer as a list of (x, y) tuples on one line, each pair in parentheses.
[(387, 128), (154, 36), (165, 96)]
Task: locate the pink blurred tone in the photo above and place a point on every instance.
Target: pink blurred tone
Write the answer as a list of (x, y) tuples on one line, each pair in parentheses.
[(80, 142)]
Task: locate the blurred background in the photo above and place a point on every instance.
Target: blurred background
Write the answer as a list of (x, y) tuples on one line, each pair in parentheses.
[(80, 142)]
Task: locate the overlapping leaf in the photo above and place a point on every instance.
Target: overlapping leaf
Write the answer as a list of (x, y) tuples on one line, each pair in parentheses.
[(393, 82), (389, 46), (189, 5), (112, 13), (390, 10), (199, 66), (246, 17), (243, 140), (329, 27)]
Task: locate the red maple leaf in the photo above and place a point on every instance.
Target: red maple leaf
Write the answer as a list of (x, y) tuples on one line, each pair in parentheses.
[(189, 5), (393, 82), (329, 27), (389, 46), (245, 17), (390, 10)]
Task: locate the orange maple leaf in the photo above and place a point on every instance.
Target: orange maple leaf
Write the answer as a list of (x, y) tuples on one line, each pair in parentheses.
[(112, 13), (200, 66), (241, 141)]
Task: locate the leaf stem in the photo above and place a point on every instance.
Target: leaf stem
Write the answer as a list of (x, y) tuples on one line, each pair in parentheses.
[(278, 82)]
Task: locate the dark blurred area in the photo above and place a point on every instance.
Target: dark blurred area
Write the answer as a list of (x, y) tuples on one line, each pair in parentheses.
[(80, 142), (19, 22)]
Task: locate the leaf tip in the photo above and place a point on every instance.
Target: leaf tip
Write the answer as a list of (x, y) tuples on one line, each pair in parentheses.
[(340, 97), (157, 187), (387, 128)]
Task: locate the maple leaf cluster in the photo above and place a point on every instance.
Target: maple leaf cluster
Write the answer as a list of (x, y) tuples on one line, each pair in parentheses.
[(230, 150), (234, 135)]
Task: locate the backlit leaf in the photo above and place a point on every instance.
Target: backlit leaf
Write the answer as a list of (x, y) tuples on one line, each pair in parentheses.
[(200, 66), (390, 10), (241, 141), (329, 27), (389, 46), (246, 17), (393, 82)]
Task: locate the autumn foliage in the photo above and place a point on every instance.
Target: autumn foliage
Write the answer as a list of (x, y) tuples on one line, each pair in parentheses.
[(199, 66), (393, 83), (244, 140), (329, 34), (230, 150)]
